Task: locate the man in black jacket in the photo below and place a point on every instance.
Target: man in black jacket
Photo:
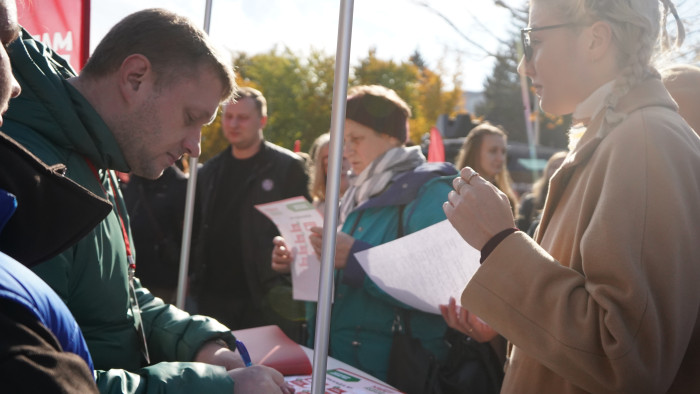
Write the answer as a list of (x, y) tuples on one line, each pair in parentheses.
[(233, 281)]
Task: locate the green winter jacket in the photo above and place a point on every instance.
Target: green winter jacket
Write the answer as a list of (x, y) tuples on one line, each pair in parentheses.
[(55, 122), (362, 314)]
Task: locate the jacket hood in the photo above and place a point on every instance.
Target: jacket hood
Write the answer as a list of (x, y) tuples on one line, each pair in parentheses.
[(405, 186), (53, 108), (42, 212)]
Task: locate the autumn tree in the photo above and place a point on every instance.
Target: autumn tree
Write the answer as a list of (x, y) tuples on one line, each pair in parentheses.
[(422, 88), (402, 77), (299, 93)]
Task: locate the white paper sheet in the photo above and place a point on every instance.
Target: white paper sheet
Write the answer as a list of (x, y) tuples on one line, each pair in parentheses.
[(423, 269), (294, 218)]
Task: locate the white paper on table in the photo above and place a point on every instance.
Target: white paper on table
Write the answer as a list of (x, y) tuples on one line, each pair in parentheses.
[(294, 218), (423, 269), (341, 380)]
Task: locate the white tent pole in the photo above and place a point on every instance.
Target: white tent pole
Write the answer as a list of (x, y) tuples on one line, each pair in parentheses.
[(207, 16), (330, 222), (189, 207)]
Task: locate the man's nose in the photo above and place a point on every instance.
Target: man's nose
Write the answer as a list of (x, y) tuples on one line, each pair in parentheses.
[(16, 89)]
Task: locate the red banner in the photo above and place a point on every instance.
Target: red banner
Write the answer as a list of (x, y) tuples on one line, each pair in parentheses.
[(63, 25), (436, 150)]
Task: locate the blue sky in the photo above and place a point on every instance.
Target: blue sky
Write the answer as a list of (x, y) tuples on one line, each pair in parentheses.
[(394, 27)]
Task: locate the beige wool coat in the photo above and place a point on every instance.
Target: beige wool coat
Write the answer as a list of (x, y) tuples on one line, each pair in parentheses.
[(607, 298)]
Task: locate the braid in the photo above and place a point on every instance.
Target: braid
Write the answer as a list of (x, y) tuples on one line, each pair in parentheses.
[(636, 70), (635, 53), (635, 26)]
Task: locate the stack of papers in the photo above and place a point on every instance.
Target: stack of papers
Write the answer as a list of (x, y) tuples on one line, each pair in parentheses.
[(294, 218), (423, 269)]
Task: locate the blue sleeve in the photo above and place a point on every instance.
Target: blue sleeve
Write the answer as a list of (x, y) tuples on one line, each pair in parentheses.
[(353, 274)]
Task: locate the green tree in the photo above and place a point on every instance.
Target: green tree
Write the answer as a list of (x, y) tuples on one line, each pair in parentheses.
[(421, 88), (298, 91), (417, 59), (213, 140), (402, 77), (503, 103)]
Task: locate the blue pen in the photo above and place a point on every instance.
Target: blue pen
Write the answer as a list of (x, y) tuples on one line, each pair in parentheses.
[(244, 353)]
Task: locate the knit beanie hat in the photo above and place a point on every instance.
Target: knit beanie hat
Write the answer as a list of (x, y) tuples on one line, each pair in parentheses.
[(380, 109)]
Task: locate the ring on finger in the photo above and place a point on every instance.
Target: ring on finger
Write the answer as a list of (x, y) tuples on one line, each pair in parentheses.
[(459, 183), (472, 176)]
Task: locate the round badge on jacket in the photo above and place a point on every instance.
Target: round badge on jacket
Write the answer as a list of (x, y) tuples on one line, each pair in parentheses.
[(268, 184)]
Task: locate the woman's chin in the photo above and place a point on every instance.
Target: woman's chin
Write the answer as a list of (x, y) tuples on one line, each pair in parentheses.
[(554, 108)]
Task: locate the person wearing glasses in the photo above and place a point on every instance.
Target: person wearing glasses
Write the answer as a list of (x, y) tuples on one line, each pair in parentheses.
[(605, 298), (393, 192)]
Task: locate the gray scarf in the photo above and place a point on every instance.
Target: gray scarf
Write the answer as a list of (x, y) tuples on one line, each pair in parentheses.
[(378, 175)]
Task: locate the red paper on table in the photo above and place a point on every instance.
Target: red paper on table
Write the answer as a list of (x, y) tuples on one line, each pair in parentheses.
[(269, 346)]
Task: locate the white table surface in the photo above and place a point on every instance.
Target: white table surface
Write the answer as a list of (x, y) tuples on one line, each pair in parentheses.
[(332, 363)]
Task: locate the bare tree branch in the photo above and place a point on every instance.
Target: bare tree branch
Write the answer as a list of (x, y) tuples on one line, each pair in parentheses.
[(457, 30), (520, 14)]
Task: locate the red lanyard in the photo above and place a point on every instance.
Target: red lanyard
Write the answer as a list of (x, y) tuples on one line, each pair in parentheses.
[(130, 258), (136, 310)]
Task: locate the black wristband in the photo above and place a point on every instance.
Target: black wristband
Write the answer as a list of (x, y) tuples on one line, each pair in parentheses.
[(494, 242)]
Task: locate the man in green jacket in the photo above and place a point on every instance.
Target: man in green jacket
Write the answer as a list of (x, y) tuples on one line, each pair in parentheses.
[(137, 106)]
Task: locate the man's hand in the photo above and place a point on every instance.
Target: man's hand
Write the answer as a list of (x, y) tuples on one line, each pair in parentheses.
[(216, 353), (259, 379)]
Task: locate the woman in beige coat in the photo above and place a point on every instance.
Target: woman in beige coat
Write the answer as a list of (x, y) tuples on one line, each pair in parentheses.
[(606, 298)]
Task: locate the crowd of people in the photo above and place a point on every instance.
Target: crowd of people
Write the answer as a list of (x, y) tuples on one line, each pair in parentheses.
[(589, 278)]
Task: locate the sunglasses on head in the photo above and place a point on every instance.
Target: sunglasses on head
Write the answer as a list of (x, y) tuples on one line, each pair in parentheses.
[(525, 36)]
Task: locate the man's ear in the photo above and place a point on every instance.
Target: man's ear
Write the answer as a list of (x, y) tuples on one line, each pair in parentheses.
[(599, 40), (133, 73), (263, 121)]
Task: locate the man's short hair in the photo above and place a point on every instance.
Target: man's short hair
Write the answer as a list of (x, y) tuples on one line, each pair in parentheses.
[(172, 43), (253, 94)]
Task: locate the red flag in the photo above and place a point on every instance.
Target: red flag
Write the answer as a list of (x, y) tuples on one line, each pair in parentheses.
[(63, 25), (297, 146), (436, 151)]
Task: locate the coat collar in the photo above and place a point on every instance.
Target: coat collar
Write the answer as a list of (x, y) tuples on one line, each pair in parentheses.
[(648, 93)]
